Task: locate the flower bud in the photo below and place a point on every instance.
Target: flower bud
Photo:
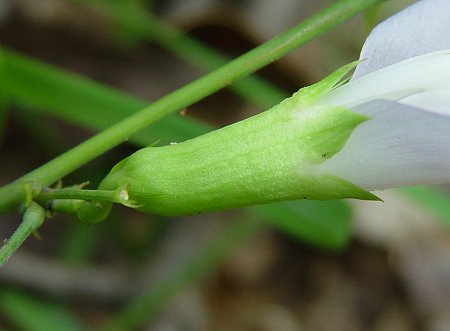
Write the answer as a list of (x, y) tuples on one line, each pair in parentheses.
[(269, 157)]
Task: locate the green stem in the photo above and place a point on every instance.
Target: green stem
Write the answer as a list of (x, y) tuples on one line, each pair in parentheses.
[(33, 218), (80, 194), (140, 23), (13, 195)]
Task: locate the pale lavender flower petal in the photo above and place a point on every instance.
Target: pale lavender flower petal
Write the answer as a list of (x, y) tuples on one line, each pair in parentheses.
[(418, 29), (401, 145)]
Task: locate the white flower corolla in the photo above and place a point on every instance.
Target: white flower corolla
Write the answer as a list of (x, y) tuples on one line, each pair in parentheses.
[(403, 83)]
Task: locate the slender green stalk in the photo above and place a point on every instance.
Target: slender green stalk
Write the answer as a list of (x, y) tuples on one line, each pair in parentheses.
[(33, 218), (13, 195), (65, 193), (140, 23), (38, 87)]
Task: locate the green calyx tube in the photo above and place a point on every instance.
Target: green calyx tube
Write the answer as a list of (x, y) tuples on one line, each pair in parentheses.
[(269, 157)]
